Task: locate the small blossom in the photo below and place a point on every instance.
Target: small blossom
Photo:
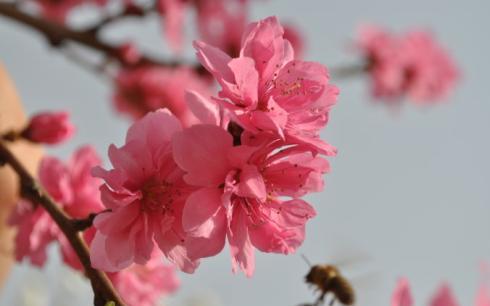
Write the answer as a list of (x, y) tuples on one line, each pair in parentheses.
[(145, 193), (49, 128), (444, 297), (141, 90), (402, 296), (412, 64)]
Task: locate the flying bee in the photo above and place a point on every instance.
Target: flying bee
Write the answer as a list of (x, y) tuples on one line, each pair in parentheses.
[(328, 279)]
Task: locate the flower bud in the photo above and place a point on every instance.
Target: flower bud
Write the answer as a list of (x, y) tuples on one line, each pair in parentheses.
[(49, 128)]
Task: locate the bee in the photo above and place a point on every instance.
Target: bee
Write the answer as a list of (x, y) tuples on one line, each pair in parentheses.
[(328, 279)]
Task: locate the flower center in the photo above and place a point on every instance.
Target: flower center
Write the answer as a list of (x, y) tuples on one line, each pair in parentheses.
[(158, 196)]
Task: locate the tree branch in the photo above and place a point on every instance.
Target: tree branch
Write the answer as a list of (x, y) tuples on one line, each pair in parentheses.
[(129, 10), (348, 71), (58, 34), (83, 224), (30, 189)]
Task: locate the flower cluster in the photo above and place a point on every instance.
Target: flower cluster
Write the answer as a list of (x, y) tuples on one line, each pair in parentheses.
[(236, 174), (412, 64), (74, 188)]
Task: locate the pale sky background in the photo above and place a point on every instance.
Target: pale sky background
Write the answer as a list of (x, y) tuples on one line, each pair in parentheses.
[(409, 187)]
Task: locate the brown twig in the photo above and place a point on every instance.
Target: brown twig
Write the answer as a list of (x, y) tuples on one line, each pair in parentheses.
[(129, 10), (348, 71), (58, 34), (30, 189), (83, 224)]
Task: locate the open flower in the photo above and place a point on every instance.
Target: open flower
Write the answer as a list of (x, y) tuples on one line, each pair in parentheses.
[(145, 193), (241, 191), (266, 89)]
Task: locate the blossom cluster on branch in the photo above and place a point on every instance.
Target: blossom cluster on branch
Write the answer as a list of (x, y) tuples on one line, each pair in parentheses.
[(200, 169), (237, 173)]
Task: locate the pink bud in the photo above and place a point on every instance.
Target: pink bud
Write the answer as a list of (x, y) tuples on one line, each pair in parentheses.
[(49, 128)]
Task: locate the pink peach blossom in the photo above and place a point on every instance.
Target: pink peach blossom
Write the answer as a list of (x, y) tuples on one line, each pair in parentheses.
[(143, 285), (145, 194), (402, 296), (49, 128), (430, 72), (385, 62), (412, 64), (444, 297), (74, 189), (35, 231), (141, 90), (241, 191), (266, 89)]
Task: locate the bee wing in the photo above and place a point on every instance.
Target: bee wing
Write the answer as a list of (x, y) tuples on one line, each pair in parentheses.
[(347, 257)]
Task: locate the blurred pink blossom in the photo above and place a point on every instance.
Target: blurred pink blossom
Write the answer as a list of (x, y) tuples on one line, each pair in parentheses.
[(144, 89), (145, 193), (71, 186), (430, 73), (35, 231), (444, 297), (58, 10), (402, 296), (266, 89), (412, 64), (143, 285), (240, 195), (49, 128)]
